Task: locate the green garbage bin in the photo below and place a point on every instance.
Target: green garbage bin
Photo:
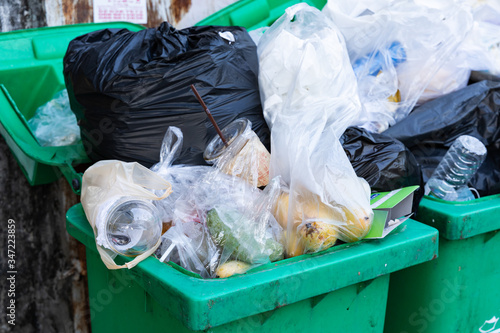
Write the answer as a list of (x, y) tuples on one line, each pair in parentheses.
[(253, 14), (31, 72), (460, 290), (343, 289)]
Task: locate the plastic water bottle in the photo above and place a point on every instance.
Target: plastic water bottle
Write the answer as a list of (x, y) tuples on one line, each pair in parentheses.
[(133, 226), (449, 180)]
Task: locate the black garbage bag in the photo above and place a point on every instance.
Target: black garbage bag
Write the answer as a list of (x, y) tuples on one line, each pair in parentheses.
[(384, 162), (481, 76), (126, 88), (431, 128)]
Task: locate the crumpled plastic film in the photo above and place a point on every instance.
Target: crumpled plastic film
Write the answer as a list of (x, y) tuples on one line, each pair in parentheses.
[(54, 124)]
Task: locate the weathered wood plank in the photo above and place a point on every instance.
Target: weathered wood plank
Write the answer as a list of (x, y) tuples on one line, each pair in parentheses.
[(21, 14)]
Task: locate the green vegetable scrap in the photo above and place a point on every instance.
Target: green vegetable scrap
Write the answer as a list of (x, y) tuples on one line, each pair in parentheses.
[(231, 229)]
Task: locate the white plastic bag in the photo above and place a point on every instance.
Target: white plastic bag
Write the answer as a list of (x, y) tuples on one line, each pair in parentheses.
[(304, 72), (108, 182), (428, 32), (480, 51), (454, 75), (309, 94)]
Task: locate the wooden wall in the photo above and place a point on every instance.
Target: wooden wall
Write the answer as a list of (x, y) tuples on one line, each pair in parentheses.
[(27, 14)]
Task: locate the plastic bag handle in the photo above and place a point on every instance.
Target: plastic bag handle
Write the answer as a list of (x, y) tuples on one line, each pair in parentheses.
[(170, 150), (110, 263), (147, 180)]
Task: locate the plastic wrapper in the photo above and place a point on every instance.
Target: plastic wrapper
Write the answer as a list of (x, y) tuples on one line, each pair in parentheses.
[(426, 35), (54, 124), (234, 223), (189, 244), (182, 177), (127, 87), (430, 130), (108, 185), (309, 94), (243, 156)]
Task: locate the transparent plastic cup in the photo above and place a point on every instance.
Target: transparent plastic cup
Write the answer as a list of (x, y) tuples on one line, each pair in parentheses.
[(244, 155)]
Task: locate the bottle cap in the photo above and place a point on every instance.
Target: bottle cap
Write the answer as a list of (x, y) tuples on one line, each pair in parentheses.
[(472, 145)]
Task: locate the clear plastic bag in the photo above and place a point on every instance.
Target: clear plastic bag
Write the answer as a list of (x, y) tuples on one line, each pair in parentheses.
[(239, 218), (54, 124), (216, 217), (481, 48), (309, 93), (182, 177), (189, 245), (235, 223), (428, 34), (480, 51), (452, 76)]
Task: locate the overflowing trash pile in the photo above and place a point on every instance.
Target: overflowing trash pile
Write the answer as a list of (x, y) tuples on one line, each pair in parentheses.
[(221, 150)]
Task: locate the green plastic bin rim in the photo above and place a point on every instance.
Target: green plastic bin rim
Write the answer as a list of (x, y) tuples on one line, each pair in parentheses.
[(253, 14), (464, 203), (457, 220), (203, 303)]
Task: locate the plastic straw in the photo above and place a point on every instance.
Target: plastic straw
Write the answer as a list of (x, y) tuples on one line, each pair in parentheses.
[(209, 114)]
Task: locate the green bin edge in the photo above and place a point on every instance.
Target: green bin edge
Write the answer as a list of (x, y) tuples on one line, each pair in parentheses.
[(460, 220), (253, 14), (24, 49), (200, 304), (457, 292)]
